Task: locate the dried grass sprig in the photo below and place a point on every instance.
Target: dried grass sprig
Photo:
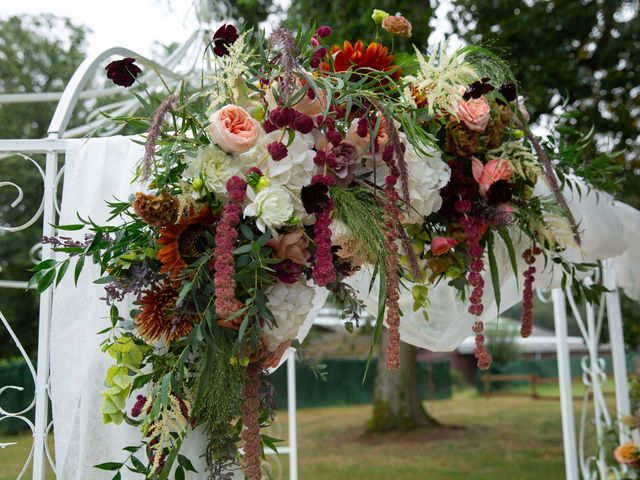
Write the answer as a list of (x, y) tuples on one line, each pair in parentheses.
[(283, 40), (154, 133)]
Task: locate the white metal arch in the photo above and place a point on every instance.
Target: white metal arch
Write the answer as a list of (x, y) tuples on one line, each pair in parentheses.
[(56, 144)]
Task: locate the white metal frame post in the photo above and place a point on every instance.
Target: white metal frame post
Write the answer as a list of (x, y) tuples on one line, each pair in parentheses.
[(291, 412), (566, 393), (618, 352)]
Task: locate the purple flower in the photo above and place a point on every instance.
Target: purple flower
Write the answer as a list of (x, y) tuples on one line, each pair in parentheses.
[(123, 72), (226, 35)]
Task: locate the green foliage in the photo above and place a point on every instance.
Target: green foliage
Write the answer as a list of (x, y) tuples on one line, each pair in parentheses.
[(587, 52), (39, 54), (502, 342), (128, 356)]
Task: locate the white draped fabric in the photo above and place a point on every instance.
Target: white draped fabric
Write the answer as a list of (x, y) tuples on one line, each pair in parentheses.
[(609, 229), (97, 171)]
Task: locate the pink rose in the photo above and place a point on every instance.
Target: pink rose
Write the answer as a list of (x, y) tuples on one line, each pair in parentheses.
[(440, 245), (291, 246), (473, 112), (487, 175), (233, 129), (363, 144)]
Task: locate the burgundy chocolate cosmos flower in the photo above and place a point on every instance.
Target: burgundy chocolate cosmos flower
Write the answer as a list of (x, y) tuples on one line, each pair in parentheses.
[(508, 91), (123, 72), (226, 35), (500, 192), (315, 197), (477, 89), (288, 271)]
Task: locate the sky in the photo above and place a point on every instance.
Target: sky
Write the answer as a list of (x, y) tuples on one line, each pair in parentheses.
[(135, 24), (138, 24)]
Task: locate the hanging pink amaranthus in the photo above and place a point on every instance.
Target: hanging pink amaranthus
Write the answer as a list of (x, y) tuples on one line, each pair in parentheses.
[(323, 271), (526, 327), (224, 264), (251, 421), (392, 213), (476, 250)]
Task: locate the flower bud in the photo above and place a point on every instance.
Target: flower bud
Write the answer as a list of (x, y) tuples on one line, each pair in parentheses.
[(379, 15)]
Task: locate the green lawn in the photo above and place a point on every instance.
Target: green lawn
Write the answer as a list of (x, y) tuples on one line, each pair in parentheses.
[(512, 438)]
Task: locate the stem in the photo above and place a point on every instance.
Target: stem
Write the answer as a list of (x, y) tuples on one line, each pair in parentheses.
[(551, 177)]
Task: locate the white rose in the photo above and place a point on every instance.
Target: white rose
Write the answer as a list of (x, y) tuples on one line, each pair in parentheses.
[(216, 167), (271, 207)]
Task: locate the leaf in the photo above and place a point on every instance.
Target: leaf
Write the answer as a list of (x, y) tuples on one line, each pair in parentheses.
[(186, 464), (506, 238), (493, 267), (73, 227), (43, 265), (109, 466), (46, 280), (179, 475), (61, 271), (382, 299), (78, 270)]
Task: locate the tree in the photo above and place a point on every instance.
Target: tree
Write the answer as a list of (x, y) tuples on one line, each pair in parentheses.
[(397, 404), (587, 52), (351, 20), (38, 54)]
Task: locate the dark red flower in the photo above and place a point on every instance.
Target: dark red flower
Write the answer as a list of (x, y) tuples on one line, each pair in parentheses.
[(277, 150), (323, 31), (315, 197), (226, 35), (477, 89), (288, 271), (123, 72), (500, 192)]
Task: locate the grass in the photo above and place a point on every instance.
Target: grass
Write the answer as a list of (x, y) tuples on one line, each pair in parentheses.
[(512, 438)]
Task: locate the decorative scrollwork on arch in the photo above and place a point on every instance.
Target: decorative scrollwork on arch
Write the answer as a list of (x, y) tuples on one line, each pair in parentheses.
[(20, 195)]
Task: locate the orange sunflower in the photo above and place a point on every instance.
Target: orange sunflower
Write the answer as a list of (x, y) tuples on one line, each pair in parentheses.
[(158, 318), (375, 57), (184, 242)]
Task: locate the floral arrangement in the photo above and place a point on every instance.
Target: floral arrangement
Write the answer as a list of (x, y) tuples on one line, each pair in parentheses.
[(298, 161)]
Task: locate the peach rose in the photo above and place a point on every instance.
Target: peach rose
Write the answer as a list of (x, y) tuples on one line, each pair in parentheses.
[(627, 453), (440, 245), (307, 105), (233, 129), (474, 113), (291, 246), (487, 175)]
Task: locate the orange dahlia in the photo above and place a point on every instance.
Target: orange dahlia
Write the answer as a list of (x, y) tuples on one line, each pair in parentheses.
[(184, 242), (158, 318), (375, 57)]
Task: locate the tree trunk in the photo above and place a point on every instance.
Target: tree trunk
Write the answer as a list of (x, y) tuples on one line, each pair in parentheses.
[(396, 404)]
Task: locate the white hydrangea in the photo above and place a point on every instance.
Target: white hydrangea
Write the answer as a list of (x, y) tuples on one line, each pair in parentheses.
[(427, 175), (215, 167), (272, 207), (290, 305), (295, 170)]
